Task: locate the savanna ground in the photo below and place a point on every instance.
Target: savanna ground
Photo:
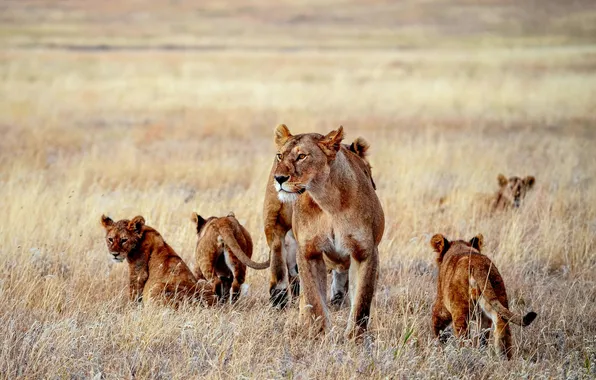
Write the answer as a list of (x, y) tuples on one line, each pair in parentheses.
[(125, 108)]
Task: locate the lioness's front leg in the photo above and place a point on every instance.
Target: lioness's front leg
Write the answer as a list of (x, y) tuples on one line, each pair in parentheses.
[(278, 285), (313, 278), (363, 279)]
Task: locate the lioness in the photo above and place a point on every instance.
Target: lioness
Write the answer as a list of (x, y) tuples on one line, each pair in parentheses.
[(468, 278), (511, 191), (277, 217), (337, 220), (156, 272), (223, 251)]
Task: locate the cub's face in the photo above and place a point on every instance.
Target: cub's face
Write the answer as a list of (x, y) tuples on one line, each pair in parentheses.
[(515, 189), (302, 160), (122, 236)]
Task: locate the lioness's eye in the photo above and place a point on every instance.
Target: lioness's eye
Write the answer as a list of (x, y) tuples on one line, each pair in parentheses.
[(279, 156), (111, 240), (301, 156), (123, 241)]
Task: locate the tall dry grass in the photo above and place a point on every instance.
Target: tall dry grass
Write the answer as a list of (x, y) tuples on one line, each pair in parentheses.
[(163, 133)]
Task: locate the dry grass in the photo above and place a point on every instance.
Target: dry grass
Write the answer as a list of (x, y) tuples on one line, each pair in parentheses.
[(139, 124)]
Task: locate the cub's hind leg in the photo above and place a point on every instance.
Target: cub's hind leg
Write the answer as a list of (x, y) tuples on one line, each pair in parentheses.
[(441, 320)]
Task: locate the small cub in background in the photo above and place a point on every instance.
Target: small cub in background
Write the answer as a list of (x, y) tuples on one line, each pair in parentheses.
[(223, 252), (468, 278), (511, 191), (156, 272)]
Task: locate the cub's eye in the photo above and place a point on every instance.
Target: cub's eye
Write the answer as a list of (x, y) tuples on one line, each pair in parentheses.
[(301, 156), (123, 241), (111, 240), (279, 157)]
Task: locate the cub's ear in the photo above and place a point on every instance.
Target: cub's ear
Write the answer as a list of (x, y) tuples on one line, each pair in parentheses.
[(231, 214), (529, 181), (198, 221), (477, 242), (282, 134), (106, 221), (502, 180), (440, 244), (136, 224), (331, 143)]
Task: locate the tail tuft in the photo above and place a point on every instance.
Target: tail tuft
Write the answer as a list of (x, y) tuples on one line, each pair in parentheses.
[(529, 318)]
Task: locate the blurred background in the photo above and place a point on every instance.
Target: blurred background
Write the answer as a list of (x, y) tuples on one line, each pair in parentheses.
[(162, 108)]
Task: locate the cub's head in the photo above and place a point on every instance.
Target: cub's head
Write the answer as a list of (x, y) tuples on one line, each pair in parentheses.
[(200, 223), (122, 236), (441, 245), (302, 160), (514, 189)]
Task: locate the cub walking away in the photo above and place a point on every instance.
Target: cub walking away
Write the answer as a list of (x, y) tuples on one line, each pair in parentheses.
[(223, 252), (468, 278)]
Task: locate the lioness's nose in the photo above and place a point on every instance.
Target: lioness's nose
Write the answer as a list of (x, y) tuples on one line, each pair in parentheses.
[(281, 178)]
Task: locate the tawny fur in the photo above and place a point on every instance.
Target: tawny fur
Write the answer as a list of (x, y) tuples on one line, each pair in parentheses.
[(337, 220), (156, 273), (224, 249), (468, 279), (284, 282), (510, 194)]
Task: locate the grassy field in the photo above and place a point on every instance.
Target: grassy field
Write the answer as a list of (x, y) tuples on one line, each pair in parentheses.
[(116, 108)]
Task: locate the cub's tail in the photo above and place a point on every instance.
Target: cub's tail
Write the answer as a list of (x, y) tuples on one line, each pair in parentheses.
[(228, 238), (487, 292)]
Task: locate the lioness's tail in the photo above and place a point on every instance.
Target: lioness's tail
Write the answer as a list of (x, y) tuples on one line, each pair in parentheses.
[(227, 235), (487, 292)]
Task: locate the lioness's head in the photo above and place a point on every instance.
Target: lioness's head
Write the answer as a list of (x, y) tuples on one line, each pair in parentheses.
[(302, 160), (514, 189), (441, 245), (122, 236)]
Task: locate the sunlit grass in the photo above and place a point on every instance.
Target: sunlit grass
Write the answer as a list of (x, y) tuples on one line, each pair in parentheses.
[(166, 133)]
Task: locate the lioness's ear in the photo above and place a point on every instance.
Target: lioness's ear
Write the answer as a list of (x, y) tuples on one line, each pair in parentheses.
[(502, 180), (106, 221), (231, 214), (529, 181), (440, 244), (477, 242), (198, 221), (332, 141), (136, 224), (282, 134)]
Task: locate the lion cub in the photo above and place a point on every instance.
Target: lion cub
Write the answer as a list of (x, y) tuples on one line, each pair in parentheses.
[(156, 272), (223, 252), (511, 191), (467, 278)]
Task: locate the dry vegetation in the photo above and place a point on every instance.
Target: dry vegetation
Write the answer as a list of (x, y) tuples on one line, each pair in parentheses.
[(126, 110)]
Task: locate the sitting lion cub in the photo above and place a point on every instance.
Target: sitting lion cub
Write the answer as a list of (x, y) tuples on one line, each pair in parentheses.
[(511, 191), (224, 249), (156, 272), (467, 278)]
